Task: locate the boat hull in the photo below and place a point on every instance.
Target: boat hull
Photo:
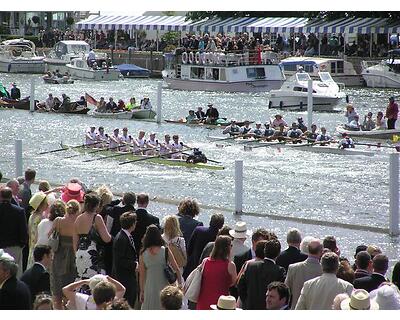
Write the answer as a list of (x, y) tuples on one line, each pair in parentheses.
[(93, 75), (382, 80), (143, 114), (290, 102), (373, 134), (22, 66), (112, 115)]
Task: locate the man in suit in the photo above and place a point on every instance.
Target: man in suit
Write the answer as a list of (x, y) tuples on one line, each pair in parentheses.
[(199, 239), (253, 284), (292, 254), (330, 243), (300, 272), (319, 293), (13, 184), (144, 219), (13, 228), (125, 257), (14, 294), (37, 278), (278, 296), (380, 265), (115, 212), (363, 265)]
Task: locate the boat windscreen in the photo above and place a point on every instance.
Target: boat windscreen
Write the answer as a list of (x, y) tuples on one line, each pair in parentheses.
[(302, 76)]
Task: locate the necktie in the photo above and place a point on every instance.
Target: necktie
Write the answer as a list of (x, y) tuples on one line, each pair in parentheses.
[(132, 242)]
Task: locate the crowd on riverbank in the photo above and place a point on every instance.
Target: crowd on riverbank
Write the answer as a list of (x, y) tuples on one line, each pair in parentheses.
[(74, 247)]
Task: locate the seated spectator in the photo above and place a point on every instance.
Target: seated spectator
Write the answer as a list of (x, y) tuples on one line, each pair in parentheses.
[(171, 298)]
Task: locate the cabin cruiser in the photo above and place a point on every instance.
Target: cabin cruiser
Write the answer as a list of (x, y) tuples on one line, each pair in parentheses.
[(385, 74), (62, 54), (294, 93), (220, 71), (341, 71), (19, 56), (99, 69)]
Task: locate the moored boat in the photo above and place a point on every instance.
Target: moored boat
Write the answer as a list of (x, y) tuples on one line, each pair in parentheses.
[(54, 80), (24, 104), (372, 134), (143, 114), (133, 71), (220, 125), (138, 114)]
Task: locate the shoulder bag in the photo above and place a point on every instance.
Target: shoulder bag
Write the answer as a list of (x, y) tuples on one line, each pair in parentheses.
[(169, 273), (192, 286), (179, 255), (54, 238)]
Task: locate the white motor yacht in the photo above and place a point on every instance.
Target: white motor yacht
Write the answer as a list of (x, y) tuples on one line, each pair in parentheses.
[(294, 93), (63, 52), (19, 56), (385, 74)]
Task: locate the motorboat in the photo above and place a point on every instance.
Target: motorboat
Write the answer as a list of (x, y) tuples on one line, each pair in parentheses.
[(99, 70), (133, 71), (63, 52), (385, 74), (293, 95), (220, 71), (341, 71), (19, 56), (372, 134)]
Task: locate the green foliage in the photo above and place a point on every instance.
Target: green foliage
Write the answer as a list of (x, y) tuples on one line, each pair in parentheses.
[(171, 36), (35, 19), (70, 21)]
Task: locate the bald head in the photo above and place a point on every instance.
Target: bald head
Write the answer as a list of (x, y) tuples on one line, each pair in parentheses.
[(315, 248), (13, 184)]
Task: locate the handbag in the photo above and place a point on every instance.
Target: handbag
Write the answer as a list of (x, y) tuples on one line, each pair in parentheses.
[(169, 273), (54, 240), (179, 255), (192, 286)]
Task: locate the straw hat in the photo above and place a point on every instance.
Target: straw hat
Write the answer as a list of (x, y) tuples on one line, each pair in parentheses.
[(359, 300), (240, 231), (387, 297), (37, 199), (225, 303), (72, 191)]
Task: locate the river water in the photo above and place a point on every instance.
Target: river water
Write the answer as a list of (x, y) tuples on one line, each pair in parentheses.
[(348, 189)]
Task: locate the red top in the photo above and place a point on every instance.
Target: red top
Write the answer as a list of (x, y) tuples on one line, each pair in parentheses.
[(392, 110), (215, 282)]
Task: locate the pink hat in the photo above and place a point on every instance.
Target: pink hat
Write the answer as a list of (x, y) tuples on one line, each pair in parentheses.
[(72, 191)]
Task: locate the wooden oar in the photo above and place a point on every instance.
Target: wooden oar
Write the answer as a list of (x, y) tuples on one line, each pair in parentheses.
[(378, 145), (218, 139), (154, 157), (116, 155), (67, 148), (249, 148)]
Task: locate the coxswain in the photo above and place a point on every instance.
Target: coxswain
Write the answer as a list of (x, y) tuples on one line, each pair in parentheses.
[(233, 129), (15, 93), (139, 142), (245, 129), (323, 136), (257, 131), (196, 157), (90, 137), (125, 140), (295, 133), (346, 142), (176, 146), (102, 137), (152, 143), (212, 114), (311, 136), (278, 121), (145, 103), (115, 140), (200, 114)]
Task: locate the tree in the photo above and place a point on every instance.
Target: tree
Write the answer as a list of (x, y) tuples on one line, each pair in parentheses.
[(35, 19)]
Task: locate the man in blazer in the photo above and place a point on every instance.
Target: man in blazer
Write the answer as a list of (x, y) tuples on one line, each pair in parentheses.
[(37, 278), (292, 254), (318, 293), (143, 220), (380, 264), (363, 265), (253, 284), (115, 212), (125, 257), (300, 272)]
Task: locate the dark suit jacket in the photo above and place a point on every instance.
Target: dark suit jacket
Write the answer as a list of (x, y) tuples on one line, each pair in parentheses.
[(199, 239), (254, 282), (187, 225), (240, 260), (144, 219), (289, 256), (360, 273), (115, 212), (13, 226), (37, 279), (15, 295), (370, 282)]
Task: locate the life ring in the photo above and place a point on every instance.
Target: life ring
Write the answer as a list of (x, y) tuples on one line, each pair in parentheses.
[(197, 57), (202, 58), (191, 57), (184, 57)]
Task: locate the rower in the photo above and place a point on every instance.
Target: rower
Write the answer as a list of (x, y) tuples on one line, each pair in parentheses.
[(100, 136), (152, 143), (125, 139), (257, 131), (278, 121), (233, 129), (323, 136), (139, 142), (280, 134), (90, 137), (246, 128), (294, 133), (311, 135), (191, 118), (346, 142), (166, 146), (268, 132), (115, 140), (176, 146)]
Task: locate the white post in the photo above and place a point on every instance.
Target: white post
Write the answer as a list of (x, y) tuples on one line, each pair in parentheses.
[(32, 97), (18, 158), (309, 104), (394, 194), (159, 92), (238, 186)]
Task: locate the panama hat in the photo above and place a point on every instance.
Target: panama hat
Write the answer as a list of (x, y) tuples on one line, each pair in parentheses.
[(387, 297), (359, 300), (37, 199), (72, 191), (225, 303), (240, 230)]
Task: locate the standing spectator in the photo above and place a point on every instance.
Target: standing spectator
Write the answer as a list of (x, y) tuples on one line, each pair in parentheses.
[(329, 242), (13, 228), (224, 231), (363, 265), (125, 257), (57, 209), (115, 212), (171, 298), (292, 254), (188, 209), (392, 111), (319, 293), (15, 92), (278, 296), (239, 234), (396, 274), (13, 184), (219, 273), (64, 265), (37, 278), (380, 265), (253, 284)]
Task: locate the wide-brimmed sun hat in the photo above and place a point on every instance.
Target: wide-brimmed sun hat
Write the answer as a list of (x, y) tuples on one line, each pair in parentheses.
[(73, 191), (240, 231), (387, 297), (225, 303), (37, 199), (359, 300)]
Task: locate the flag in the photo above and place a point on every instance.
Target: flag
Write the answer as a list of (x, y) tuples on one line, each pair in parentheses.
[(90, 99), (395, 138)]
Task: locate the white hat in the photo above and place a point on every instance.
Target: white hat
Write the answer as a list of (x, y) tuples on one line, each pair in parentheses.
[(359, 300), (225, 303), (5, 255), (387, 297), (240, 230)]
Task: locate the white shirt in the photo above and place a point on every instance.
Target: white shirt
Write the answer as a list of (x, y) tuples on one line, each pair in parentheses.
[(43, 229), (176, 147), (113, 145), (126, 139), (91, 135), (84, 302)]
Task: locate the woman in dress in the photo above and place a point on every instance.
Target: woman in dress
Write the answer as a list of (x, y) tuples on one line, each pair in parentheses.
[(219, 273), (151, 268), (63, 266), (90, 230), (57, 209)]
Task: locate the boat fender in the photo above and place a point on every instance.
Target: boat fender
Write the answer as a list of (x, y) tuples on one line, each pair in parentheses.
[(301, 105), (280, 104), (184, 57), (197, 57), (347, 98), (191, 57), (202, 58), (270, 104), (216, 58)]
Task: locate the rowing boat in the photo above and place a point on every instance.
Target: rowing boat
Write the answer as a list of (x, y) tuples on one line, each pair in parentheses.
[(204, 125), (373, 134), (126, 115), (162, 161)]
